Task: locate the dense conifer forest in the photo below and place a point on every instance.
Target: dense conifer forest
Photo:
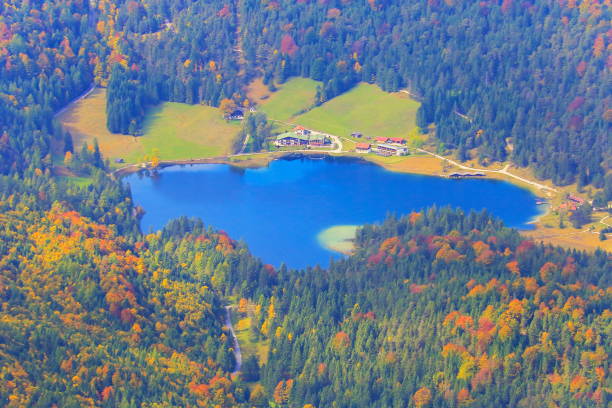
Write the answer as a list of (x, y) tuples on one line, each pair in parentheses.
[(437, 308)]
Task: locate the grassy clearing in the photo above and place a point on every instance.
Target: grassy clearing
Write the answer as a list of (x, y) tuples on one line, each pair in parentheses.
[(292, 97), (176, 130), (78, 181), (249, 347), (182, 131), (258, 92), (86, 121), (366, 109), (569, 237), (416, 164)]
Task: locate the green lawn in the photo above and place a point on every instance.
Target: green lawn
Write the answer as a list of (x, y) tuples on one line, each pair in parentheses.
[(292, 97), (366, 109)]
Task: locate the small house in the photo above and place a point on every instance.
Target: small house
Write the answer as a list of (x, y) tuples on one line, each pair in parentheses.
[(301, 130), (357, 135), (119, 160), (398, 140), (385, 149), (237, 114), (363, 148), (382, 139)]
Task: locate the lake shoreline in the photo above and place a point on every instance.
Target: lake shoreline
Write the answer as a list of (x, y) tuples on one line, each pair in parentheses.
[(418, 164), (325, 182), (258, 160)]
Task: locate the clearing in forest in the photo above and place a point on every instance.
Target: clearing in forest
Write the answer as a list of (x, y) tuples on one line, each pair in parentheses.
[(177, 130), (291, 98), (365, 109)]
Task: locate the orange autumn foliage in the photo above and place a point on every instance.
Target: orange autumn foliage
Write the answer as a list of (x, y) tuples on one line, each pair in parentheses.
[(106, 393), (578, 383), (447, 254), (450, 349), (414, 217), (422, 397), (341, 341), (463, 396), (547, 270)]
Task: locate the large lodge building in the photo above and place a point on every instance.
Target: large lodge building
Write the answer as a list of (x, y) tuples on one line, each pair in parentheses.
[(301, 137)]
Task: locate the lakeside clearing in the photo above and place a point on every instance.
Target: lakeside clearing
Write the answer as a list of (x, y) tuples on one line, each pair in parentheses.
[(176, 130), (198, 134)]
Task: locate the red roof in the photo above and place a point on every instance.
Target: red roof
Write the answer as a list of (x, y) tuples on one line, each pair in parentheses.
[(382, 139), (397, 140), (299, 128), (363, 146)]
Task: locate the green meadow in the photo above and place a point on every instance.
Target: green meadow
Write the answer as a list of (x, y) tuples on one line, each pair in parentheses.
[(291, 98), (176, 130), (366, 109)]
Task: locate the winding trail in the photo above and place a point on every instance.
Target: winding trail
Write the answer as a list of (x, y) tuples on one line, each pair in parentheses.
[(503, 171), (237, 352)]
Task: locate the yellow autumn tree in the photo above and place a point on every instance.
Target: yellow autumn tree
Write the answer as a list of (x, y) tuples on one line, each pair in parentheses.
[(155, 160), (227, 106)]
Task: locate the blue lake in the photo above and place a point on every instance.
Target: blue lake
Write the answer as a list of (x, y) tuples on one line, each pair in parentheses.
[(279, 210)]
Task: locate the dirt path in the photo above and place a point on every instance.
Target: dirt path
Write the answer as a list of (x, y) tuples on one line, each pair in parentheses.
[(237, 352), (503, 171), (244, 144)]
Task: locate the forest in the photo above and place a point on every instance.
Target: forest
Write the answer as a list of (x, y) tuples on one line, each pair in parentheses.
[(437, 308), (522, 81)]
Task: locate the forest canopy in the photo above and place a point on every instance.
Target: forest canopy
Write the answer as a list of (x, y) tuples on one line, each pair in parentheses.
[(437, 308)]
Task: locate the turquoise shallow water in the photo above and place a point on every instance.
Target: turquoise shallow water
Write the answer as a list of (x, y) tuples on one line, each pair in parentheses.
[(279, 210)]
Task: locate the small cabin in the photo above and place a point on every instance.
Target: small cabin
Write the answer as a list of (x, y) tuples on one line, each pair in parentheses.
[(398, 140), (385, 149), (237, 114), (363, 148), (382, 139), (357, 135)]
